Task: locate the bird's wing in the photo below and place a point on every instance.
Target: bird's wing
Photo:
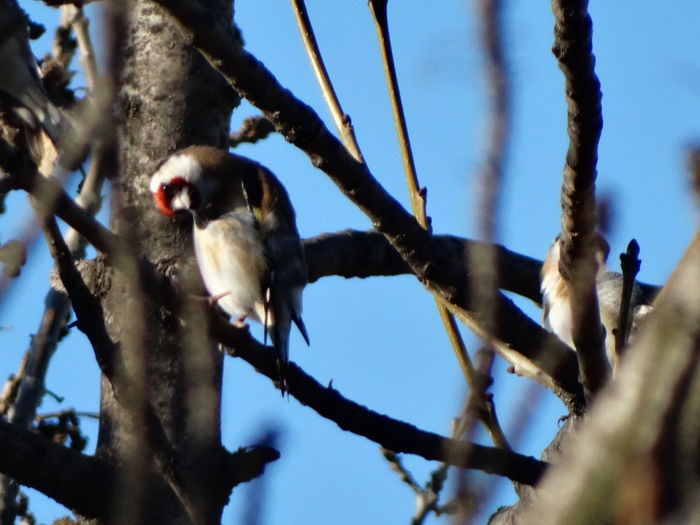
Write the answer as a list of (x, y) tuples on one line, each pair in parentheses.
[(287, 277)]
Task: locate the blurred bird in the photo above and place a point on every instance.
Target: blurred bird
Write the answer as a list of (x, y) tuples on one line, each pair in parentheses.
[(245, 238), (556, 315), (19, 74)]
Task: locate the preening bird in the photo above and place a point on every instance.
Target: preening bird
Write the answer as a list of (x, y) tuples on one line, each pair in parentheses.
[(19, 74), (245, 238), (557, 302)]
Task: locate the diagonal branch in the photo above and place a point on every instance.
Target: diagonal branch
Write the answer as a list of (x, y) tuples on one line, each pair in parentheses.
[(43, 345), (573, 50), (86, 484), (378, 8), (389, 433), (340, 118), (22, 174)]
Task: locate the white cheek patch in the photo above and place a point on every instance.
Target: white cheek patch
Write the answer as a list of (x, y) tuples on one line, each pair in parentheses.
[(179, 165), (181, 201)]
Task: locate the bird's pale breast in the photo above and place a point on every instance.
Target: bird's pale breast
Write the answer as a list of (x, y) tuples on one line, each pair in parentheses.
[(232, 262)]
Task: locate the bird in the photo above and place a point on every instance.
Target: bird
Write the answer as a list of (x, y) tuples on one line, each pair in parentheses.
[(246, 242), (19, 74), (556, 313)]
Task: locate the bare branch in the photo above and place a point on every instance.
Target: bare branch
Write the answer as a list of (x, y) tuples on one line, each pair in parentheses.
[(80, 23), (340, 119), (498, 126), (22, 175), (352, 253), (87, 307), (578, 265), (252, 130), (389, 433), (76, 3), (86, 484), (79, 482), (397, 466), (378, 9)]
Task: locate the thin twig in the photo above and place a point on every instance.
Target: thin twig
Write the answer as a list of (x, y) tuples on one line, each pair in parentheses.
[(428, 498), (62, 413), (397, 466), (340, 118), (88, 61), (498, 125), (11, 387), (479, 405), (417, 196), (490, 18)]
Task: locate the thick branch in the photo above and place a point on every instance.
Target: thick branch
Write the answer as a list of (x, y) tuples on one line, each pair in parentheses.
[(81, 483), (87, 307), (573, 49), (86, 484), (390, 433), (352, 253)]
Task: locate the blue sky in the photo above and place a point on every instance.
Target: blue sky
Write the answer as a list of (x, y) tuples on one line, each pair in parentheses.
[(380, 339)]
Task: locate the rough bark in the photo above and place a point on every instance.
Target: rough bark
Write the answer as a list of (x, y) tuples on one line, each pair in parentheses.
[(160, 402)]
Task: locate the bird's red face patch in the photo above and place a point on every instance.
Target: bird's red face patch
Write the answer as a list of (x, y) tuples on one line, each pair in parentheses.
[(166, 192)]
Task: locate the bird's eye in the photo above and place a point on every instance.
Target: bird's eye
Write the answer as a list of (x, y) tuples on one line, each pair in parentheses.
[(169, 191)]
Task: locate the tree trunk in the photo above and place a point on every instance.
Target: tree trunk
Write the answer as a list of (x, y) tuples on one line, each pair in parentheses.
[(160, 411)]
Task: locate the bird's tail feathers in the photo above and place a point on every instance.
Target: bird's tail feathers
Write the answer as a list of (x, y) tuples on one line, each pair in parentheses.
[(301, 326), (279, 333), (282, 366)]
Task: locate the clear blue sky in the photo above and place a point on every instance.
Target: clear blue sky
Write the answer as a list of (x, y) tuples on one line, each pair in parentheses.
[(380, 340)]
